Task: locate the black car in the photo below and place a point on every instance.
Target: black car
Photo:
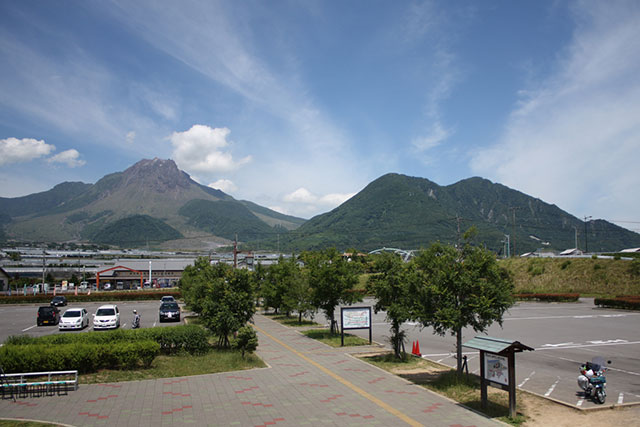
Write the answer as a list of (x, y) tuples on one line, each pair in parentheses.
[(169, 311), (59, 300), (48, 315)]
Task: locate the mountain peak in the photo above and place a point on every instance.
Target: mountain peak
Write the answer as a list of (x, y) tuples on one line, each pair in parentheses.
[(157, 174)]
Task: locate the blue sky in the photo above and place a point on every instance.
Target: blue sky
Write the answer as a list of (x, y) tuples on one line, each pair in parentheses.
[(299, 105)]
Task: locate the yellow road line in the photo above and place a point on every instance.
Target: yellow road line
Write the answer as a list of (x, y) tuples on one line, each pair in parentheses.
[(352, 386)]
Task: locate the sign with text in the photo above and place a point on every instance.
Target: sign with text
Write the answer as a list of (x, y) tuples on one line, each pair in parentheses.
[(496, 368), (356, 318)]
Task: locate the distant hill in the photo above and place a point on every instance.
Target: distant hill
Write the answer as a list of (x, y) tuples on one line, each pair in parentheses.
[(148, 199), (410, 213)]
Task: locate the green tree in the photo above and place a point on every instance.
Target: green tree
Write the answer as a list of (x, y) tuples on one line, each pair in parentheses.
[(391, 289), (299, 295), (228, 303), (454, 289), (277, 282), (332, 279), (194, 281), (246, 341)]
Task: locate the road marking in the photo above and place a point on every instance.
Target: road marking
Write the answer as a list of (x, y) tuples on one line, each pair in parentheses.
[(30, 327), (608, 341), (527, 379), (352, 386), (559, 345), (448, 356), (580, 402), (551, 388), (620, 398), (585, 345), (154, 324), (577, 316)]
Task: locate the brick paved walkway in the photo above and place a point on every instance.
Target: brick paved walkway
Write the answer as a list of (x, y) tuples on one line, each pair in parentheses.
[(307, 383)]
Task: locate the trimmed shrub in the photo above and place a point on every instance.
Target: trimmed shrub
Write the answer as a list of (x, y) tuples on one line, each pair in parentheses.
[(547, 297), (77, 356), (626, 303), (190, 338), (95, 296)]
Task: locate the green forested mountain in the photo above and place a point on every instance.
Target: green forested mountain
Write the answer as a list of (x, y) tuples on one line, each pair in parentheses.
[(410, 213), (135, 230)]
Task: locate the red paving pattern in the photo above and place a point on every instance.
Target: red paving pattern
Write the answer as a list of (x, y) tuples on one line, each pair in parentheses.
[(315, 385), (401, 392), (21, 403), (111, 396), (98, 416), (299, 374), (375, 380), (176, 381), (177, 394), (270, 423), (432, 407), (366, 417), (244, 390), (233, 377), (330, 398), (268, 405), (177, 410)]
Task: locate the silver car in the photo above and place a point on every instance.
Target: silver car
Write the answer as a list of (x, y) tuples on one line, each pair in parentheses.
[(107, 317)]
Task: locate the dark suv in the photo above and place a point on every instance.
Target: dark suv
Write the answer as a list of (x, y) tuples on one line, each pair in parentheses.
[(48, 315), (59, 300)]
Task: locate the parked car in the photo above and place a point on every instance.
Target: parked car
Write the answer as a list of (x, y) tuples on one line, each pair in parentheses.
[(107, 286), (83, 285), (59, 300), (169, 311), (106, 317), (48, 315), (167, 298), (74, 318)]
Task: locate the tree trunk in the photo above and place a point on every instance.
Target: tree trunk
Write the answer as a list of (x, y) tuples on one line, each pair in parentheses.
[(300, 317)]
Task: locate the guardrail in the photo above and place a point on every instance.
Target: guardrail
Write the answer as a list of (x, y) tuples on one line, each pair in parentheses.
[(35, 384)]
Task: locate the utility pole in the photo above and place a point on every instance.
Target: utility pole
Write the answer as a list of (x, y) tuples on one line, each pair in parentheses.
[(458, 221), (43, 268), (513, 212), (586, 244), (235, 252), (507, 246), (576, 230)]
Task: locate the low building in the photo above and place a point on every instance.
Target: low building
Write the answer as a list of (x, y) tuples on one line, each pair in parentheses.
[(4, 280)]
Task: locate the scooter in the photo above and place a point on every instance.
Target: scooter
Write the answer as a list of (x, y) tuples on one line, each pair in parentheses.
[(136, 320), (593, 381)]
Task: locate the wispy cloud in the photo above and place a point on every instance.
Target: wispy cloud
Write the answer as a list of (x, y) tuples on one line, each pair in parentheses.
[(304, 201), (573, 129)]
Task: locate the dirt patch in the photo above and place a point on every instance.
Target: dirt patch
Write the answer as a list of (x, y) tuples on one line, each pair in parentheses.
[(539, 412)]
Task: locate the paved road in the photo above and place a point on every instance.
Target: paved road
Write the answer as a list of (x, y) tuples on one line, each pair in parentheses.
[(21, 319), (306, 383), (563, 335)]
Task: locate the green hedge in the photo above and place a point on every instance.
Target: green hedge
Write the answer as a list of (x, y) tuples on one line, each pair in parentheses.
[(190, 338), (95, 296), (547, 297), (624, 303), (84, 357)]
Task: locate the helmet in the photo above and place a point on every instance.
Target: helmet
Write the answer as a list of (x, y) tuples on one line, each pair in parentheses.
[(135, 311)]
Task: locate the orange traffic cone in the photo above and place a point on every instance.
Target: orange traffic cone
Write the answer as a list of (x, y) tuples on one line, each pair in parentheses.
[(413, 347), (417, 353)]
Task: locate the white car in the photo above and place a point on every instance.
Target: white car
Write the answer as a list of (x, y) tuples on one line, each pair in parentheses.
[(74, 318), (106, 317)]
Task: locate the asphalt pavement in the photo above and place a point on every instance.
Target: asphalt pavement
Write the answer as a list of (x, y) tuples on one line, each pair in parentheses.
[(564, 335)]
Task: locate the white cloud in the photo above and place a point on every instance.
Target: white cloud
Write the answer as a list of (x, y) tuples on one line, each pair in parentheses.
[(224, 185), (202, 149), (436, 135), (304, 202), (14, 150), (573, 140), (131, 137), (68, 157)]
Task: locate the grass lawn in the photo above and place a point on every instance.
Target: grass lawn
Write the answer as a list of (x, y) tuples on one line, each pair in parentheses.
[(291, 320), (443, 380), (14, 423), (334, 340), (179, 366)]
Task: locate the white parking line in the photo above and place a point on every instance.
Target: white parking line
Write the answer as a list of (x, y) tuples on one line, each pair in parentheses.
[(527, 379), (620, 398), (551, 388), (154, 324), (580, 402), (30, 327)]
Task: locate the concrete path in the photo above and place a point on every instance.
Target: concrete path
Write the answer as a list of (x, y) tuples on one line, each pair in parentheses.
[(307, 383)]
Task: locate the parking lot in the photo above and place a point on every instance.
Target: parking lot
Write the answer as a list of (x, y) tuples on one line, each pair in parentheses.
[(564, 335), (21, 319)]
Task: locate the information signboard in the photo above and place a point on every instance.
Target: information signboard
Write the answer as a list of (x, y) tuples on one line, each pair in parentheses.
[(355, 318), (496, 368)]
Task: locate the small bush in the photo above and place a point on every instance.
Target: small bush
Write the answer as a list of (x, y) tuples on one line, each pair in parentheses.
[(246, 341), (634, 268), (548, 297), (565, 264), (597, 267), (627, 303)]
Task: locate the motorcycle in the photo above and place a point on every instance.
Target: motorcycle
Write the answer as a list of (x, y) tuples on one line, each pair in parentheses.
[(593, 381), (136, 320)]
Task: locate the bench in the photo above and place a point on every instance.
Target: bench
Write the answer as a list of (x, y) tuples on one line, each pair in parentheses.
[(35, 384)]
